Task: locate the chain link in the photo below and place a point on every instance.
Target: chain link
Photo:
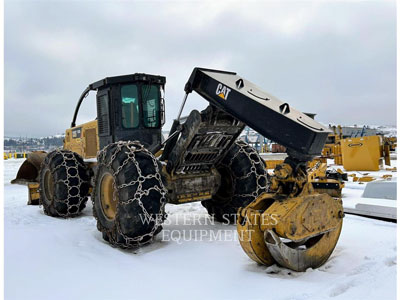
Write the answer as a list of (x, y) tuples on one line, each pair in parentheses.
[(71, 165), (257, 169), (132, 149)]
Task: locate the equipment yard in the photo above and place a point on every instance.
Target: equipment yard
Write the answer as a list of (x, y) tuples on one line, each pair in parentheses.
[(48, 258), (164, 150)]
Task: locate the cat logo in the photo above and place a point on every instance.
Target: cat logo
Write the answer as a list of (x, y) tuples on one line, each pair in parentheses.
[(222, 91)]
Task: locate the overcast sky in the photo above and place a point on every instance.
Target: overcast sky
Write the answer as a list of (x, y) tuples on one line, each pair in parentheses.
[(336, 59)]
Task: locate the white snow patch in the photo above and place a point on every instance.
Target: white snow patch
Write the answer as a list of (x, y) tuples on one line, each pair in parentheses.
[(50, 258)]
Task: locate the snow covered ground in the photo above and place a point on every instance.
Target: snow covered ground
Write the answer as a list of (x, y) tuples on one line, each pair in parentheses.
[(49, 258)]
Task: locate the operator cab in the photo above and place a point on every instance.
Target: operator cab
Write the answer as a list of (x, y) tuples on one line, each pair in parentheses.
[(129, 107)]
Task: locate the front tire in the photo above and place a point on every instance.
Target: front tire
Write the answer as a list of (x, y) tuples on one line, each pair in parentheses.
[(128, 195), (64, 184), (243, 178)]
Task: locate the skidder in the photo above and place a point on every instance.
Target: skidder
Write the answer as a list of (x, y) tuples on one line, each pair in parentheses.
[(120, 160)]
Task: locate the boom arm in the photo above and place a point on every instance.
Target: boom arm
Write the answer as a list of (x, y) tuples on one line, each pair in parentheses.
[(272, 118)]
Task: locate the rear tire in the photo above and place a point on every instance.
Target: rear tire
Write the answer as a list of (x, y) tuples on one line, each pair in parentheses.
[(243, 178), (128, 195), (64, 184)]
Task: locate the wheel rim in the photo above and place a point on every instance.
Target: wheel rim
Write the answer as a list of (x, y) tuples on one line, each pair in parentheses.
[(48, 185), (107, 192)]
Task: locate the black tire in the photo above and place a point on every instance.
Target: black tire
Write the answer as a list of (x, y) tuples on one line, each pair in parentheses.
[(243, 178), (64, 184), (128, 195)]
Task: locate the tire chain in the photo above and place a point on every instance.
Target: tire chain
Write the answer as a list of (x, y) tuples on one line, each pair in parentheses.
[(132, 148), (260, 189), (68, 156)]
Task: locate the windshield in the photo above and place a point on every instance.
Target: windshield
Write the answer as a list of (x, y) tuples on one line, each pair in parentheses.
[(151, 105), (130, 106)]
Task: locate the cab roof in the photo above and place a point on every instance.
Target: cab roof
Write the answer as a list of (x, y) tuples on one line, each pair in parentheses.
[(137, 77)]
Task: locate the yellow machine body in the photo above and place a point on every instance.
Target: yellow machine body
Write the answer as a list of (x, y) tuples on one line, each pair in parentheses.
[(34, 195), (363, 153), (297, 231), (293, 224), (337, 154), (272, 163), (317, 175), (190, 188), (83, 139), (391, 142), (328, 150), (332, 149), (28, 174)]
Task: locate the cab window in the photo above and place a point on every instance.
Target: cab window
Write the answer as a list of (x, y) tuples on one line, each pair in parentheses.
[(151, 105), (130, 106)]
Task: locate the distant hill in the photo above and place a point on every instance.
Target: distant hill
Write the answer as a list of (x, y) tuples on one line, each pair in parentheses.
[(26, 144)]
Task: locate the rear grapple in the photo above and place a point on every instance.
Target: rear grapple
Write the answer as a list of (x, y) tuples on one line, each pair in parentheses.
[(296, 233)]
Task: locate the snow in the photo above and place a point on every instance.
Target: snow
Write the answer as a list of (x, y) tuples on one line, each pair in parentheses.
[(351, 197), (50, 258), (352, 193)]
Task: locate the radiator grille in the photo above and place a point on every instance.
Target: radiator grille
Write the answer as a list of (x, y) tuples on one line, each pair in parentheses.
[(102, 114), (91, 142)]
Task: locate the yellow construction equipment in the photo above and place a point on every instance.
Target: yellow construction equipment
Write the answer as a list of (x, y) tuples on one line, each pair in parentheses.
[(332, 148), (28, 174), (324, 181), (272, 163), (83, 139), (358, 153), (292, 224), (120, 160), (364, 153), (391, 142), (363, 179), (34, 195)]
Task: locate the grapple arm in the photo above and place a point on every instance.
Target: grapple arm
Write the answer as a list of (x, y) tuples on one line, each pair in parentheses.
[(269, 116), (292, 225)]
